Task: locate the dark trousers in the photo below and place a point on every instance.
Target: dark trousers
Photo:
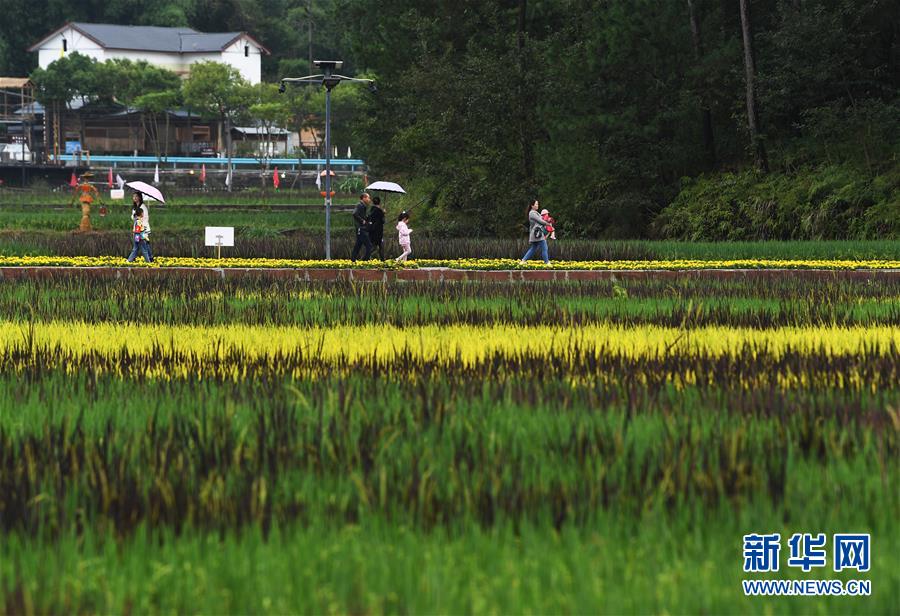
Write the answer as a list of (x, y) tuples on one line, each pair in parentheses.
[(378, 244), (362, 239)]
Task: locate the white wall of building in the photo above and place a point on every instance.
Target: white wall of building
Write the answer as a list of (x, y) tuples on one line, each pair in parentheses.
[(249, 66), (52, 50)]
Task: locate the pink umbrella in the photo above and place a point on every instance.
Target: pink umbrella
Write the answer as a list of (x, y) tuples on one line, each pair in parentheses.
[(147, 189)]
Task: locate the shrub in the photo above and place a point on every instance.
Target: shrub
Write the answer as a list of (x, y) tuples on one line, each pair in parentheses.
[(831, 202)]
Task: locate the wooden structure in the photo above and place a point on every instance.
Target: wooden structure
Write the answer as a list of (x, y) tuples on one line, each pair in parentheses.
[(17, 115), (16, 94)]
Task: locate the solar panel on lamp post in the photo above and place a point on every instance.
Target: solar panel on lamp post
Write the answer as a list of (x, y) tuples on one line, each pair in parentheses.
[(330, 80)]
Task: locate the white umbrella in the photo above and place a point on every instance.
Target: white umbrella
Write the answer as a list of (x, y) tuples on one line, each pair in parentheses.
[(386, 187), (147, 189)]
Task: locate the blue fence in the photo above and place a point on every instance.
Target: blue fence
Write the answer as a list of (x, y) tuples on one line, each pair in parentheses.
[(144, 161)]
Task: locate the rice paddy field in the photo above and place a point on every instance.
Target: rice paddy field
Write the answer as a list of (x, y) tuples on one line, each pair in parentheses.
[(274, 232), (188, 444)]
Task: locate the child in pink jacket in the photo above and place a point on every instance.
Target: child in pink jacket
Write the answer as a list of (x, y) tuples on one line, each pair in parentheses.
[(403, 232), (545, 214)]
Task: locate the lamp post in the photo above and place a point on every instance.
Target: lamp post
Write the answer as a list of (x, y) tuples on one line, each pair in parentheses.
[(330, 80)]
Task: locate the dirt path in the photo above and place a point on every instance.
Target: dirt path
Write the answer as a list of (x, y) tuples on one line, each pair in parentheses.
[(440, 274)]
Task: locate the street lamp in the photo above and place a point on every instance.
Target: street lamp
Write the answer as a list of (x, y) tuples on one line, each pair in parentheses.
[(330, 80)]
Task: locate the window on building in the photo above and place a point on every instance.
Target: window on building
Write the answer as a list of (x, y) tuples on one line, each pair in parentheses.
[(246, 51), (65, 45)]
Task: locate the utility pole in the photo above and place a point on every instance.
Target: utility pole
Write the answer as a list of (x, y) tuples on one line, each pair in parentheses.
[(330, 80), (709, 144), (309, 27), (328, 193)]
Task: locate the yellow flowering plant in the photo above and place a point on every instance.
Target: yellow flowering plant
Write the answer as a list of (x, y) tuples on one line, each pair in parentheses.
[(457, 264)]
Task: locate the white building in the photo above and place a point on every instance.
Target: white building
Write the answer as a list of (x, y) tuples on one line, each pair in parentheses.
[(172, 48)]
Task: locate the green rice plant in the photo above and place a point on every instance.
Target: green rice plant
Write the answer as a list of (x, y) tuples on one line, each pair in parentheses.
[(435, 452), (654, 565), (200, 300), (225, 467)]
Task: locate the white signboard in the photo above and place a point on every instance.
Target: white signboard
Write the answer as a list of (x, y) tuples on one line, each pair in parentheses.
[(116, 193), (220, 236)]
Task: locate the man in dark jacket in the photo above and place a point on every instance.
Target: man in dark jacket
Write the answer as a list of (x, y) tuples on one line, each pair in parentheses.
[(360, 219), (376, 226)]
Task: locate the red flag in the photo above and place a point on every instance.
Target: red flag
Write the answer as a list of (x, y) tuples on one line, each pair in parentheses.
[(110, 179), (275, 180), (74, 181), (203, 173)]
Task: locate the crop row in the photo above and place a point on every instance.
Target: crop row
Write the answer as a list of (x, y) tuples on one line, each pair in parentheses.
[(425, 454), (299, 239), (195, 300), (460, 264), (616, 566), (642, 357), (462, 343), (668, 264), (193, 284)]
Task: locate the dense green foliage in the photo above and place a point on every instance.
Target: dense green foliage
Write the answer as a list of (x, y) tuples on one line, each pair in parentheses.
[(600, 108), (835, 201)]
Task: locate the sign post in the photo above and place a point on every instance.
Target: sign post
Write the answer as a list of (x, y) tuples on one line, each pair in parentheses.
[(218, 237)]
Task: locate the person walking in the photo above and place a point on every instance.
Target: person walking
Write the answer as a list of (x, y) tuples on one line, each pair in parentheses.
[(537, 233), (403, 232), (137, 201), (361, 221), (376, 226), (139, 243)]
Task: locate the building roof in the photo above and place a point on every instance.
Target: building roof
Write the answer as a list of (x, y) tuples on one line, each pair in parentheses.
[(15, 82), (33, 108), (151, 38), (175, 113), (257, 130), (198, 43)]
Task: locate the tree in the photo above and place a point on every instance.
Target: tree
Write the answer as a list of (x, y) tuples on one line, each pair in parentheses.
[(156, 107), (150, 89), (129, 80), (269, 110), (298, 107), (63, 81), (216, 91), (709, 144), (4, 62), (760, 158)]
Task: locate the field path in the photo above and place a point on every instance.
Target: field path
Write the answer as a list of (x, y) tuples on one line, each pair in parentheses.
[(439, 274)]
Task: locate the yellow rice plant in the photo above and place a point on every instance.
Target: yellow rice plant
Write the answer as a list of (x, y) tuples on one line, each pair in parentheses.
[(464, 342)]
